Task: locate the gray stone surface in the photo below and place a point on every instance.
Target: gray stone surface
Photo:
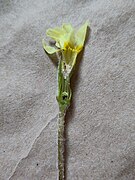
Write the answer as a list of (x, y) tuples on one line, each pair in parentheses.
[(100, 126)]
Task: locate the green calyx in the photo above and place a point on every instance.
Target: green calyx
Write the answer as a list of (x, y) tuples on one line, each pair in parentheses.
[(64, 90)]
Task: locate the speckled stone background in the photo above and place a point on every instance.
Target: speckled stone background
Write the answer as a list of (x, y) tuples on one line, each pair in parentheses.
[(100, 124)]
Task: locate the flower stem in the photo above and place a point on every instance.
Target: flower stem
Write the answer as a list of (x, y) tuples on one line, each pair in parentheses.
[(63, 98), (61, 122)]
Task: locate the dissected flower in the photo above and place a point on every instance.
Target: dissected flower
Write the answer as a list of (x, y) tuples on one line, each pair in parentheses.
[(69, 43)]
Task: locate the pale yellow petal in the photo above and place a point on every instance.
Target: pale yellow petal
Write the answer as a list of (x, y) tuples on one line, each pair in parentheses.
[(49, 49), (55, 33), (81, 34), (72, 42), (57, 44), (59, 35), (68, 28), (64, 40)]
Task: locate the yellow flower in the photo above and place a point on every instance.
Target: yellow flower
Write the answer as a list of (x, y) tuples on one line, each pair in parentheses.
[(69, 42)]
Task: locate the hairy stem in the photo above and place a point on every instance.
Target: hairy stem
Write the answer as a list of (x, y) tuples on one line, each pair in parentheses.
[(61, 122), (63, 98)]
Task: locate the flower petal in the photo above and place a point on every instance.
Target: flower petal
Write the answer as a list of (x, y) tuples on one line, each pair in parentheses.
[(55, 33), (59, 35), (49, 49), (67, 27), (80, 35), (72, 39), (57, 44)]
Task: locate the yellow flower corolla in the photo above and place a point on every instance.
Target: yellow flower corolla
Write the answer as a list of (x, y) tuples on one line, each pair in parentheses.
[(68, 41)]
